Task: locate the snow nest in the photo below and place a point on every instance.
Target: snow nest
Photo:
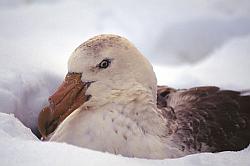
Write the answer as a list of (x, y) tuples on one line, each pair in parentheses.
[(20, 147), (208, 40)]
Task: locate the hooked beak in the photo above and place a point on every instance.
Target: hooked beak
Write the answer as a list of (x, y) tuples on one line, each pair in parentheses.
[(67, 98)]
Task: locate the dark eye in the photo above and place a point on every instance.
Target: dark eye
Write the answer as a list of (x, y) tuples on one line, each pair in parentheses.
[(104, 63)]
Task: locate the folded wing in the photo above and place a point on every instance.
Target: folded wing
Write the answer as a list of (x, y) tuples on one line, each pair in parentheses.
[(208, 119)]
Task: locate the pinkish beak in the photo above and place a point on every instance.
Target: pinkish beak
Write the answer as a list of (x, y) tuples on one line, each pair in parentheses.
[(67, 98)]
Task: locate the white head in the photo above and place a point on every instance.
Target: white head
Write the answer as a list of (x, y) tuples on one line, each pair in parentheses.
[(111, 62)]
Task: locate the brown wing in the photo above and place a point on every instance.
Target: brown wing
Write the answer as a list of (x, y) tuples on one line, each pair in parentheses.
[(208, 119)]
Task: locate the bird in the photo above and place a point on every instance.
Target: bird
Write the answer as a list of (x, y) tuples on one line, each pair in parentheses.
[(110, 102)]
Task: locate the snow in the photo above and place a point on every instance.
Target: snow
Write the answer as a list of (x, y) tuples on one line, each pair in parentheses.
[(227, 67), (190, 43), (20, 147)]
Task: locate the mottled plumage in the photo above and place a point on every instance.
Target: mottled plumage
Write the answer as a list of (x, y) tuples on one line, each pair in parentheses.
[(208, 119)]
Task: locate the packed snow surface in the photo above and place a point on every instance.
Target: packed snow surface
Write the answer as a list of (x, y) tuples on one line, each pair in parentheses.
[(190, 43), (20, 147)]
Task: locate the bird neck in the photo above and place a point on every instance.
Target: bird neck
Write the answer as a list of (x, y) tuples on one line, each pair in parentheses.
[(134, 102), (128, 123)]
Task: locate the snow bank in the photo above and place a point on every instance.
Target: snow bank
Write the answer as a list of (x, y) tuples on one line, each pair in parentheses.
[(227, 67), (203, 42), (24, 92), (12, 128), (20, 147)]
